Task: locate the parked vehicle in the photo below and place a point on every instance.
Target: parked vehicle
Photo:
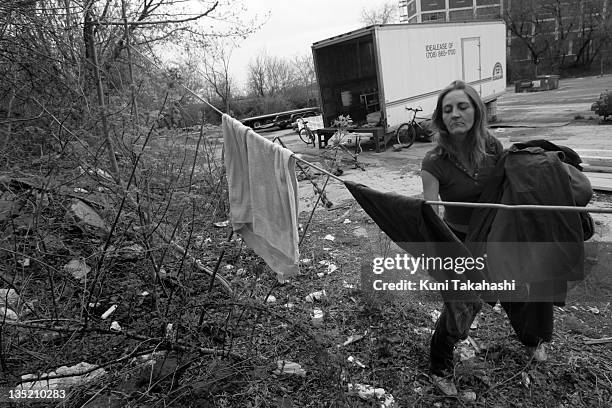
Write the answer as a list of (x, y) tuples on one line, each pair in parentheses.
[(292, 119), (386, 68), (280, 119)]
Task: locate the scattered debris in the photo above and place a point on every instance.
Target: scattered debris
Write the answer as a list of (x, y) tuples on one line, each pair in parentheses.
[(271, 299), (525, 379), (316, 296), (289, 367), (109, 312), (24, 262), (77, 268), (305, 261), (474, 344), (593, 310), (418, 390), (331, 268), (317, 317), (7, 314), (87, 215), (326, 249), (354, 338), (465, 353), (10, 298), (474, 324), (423, 330), (367, 392), (329, 237), (324, 262), (131, 252), (360, 232), (435, 314), (229, 267), (346, 221), (353, 360), (320, 274), (289, 305), (221, 224), (347, 285), (71, 377), (170, 332), (145, 293), (115, 327), (469, 395), (80, 190)]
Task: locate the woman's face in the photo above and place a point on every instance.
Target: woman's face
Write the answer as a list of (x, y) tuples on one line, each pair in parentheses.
[(457, 113)]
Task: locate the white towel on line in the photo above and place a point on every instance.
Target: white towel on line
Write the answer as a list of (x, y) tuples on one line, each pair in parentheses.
[(263, 195)]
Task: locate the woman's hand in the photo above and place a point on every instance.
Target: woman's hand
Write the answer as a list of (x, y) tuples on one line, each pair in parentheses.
[(431, 189)]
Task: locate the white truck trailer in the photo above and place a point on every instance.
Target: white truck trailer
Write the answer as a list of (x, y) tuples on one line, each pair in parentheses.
[(386, 68)]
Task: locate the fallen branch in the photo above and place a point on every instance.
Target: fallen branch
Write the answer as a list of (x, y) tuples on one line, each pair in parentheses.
[(82, 329), (198, 264), (603, 340)]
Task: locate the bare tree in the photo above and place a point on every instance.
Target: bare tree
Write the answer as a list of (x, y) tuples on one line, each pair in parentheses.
[(304, 69), (383, 14), (595, 33), (526, 24), (549, 28), (257, 75), (269, 75), (215, 71)]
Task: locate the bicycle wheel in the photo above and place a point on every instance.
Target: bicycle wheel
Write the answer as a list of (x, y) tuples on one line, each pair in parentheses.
[(306, 135), (405, 134)]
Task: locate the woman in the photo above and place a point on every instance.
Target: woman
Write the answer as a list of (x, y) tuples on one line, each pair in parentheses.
[(457, 170)]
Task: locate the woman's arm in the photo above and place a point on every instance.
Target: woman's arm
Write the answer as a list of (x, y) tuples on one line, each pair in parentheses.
[(431, 189)]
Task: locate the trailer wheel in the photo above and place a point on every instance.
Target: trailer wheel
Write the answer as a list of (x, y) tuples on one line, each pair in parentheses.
[(406, 135)]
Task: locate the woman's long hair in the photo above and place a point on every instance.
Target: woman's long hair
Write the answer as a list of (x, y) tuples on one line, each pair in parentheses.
[(474, 147)]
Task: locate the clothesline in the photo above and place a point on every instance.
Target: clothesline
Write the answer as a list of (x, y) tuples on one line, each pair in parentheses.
[(445, 203), (484, 205)]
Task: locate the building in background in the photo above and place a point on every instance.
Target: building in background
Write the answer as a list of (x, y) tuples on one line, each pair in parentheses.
[(544, 36), (421, 11)]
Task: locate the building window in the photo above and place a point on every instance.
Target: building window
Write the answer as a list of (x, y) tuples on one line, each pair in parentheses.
[(433, 17), (460, 3), (429, 5), (411, 8), (461, 15), (488, 2)]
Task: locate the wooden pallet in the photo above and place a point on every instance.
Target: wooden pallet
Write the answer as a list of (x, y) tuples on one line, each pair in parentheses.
[(600, 181)]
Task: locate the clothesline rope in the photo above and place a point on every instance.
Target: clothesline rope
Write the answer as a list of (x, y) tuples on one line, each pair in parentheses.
[(521, 206), (445, 203), (485, 205)]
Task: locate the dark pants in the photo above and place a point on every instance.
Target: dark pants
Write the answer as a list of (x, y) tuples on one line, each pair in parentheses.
[(532, 322)]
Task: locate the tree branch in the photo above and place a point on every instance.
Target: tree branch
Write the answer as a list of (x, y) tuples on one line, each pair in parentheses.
[(142, 23)]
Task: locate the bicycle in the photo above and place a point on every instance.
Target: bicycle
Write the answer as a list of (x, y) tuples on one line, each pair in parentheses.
[(306, 134), (407, 132)]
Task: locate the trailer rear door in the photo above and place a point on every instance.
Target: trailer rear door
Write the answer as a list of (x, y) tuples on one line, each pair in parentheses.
[(470, 55)]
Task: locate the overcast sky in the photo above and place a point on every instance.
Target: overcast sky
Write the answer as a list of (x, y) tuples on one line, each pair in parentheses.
[(293, 26)]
